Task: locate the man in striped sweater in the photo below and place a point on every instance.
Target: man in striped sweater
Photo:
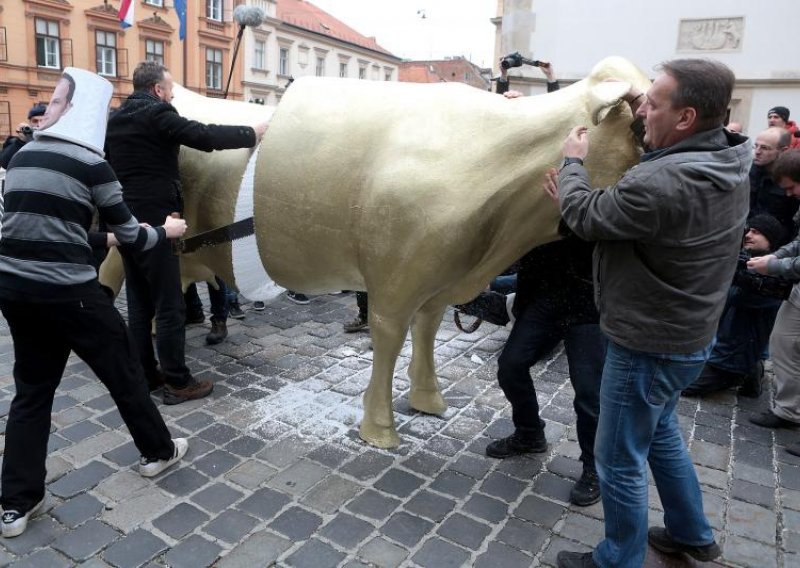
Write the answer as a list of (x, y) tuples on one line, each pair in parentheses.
[(54, 304)]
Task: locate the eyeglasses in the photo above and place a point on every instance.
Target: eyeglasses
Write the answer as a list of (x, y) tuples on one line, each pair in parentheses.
[(763, 147)]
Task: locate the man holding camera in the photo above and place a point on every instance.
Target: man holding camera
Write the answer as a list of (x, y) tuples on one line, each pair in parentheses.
[(23, 135), (516, 60)]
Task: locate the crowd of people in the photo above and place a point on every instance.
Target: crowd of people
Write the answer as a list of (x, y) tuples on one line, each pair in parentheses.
[(680, 279)]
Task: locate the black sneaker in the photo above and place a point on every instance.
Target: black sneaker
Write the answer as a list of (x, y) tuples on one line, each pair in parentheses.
[(235, 310), (297, 297), (15, 523), (659, 538), (218, 333), (515, 445), (586, 490), (567, 559), (359, 323), (192, 391)]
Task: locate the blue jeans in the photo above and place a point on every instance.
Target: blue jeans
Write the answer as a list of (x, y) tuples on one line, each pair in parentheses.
[(638, 422), (219, 300)]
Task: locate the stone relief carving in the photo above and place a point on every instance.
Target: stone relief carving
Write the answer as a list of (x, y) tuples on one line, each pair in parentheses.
[(713, 34)]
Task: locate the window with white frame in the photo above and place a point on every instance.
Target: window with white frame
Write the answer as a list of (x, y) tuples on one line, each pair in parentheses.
[(320, 69), (48, 48), (106, 53), (259, 51), (362, 71), (154, 51), (343, 69), (283, 61), (387, 76), (214, 68), (214, 10), (159, 3)]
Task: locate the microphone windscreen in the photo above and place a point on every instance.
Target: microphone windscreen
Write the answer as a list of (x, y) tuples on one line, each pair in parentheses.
[(248, 15)]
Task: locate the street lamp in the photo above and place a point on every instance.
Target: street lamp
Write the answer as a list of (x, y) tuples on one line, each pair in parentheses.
[(244, 16)]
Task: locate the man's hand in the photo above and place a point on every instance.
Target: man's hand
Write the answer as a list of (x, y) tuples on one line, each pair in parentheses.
[(759, 263), (21, 129), (577, 143), (550, 184), (547, 69), (174, 227), (513, 94), (111, 240), (260, 129)]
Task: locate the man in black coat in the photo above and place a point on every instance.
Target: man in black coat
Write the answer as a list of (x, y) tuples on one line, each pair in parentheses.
[(142, 145)]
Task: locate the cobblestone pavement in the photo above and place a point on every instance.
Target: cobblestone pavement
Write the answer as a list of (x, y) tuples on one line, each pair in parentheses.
[(276, 474)]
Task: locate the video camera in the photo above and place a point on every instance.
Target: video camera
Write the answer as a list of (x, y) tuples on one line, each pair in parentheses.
[(26, 131), (516, 60)]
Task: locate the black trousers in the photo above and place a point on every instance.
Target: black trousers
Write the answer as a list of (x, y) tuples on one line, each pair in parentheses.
[(153, 288), (44, 335), (536, 332)]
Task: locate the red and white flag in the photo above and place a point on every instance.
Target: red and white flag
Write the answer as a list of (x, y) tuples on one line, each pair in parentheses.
[(126, 13)]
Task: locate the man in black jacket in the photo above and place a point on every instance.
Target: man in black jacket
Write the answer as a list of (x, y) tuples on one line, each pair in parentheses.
[(142, 144)]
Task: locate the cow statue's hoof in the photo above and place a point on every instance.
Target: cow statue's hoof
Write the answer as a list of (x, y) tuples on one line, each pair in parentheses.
[(427, 401), (379, 436)]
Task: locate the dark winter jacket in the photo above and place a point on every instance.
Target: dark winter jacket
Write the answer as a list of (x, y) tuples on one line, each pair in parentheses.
[(766, 196), (669, 235), (142, 145)]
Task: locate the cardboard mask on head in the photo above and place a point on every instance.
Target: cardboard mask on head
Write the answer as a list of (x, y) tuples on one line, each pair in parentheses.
[(78, 109)]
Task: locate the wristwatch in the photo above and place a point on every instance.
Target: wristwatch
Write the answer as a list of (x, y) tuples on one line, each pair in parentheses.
[(571, 160)]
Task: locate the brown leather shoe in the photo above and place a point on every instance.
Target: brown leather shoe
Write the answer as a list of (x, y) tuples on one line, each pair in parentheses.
[(192, 391)]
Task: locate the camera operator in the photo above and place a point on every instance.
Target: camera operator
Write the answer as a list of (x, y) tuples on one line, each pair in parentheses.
[(516, 60), (23, 134)]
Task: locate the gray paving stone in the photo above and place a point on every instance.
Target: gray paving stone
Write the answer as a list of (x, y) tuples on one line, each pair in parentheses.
[(218, 434), (124, 455), (373, 505), (398, 483), (286, 451), (752, 521), (464, 531), (582, 529), (407, 529), (744, 552), (753, 493), (193, 552), (330, 456), (216, 497), (180, 520), (182, 481), (540, 511), (296, 523), (216, 463), (452, 483), (314, 554), (5, 558), (245, 446), (46, 558), (498, 555), (346, 530), (250, 474), (367, 465), (430, 505), (264, 503), (523, 536), (230, 526), (437, 553), (134, 550), (503, 487), (137, 508), (426, 463), (77, 510), (82, 479), (381, 552), (298, 477), (258, 549), (330, 494), (86, 541)]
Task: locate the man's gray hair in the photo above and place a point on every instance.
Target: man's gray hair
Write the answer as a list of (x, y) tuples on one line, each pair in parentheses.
[(704, 85), (147, 74)]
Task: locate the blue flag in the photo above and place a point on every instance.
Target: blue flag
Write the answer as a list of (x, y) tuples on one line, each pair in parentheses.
[(180, 9)]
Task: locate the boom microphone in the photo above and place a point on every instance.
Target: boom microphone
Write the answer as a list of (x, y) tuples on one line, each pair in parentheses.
[(252, 16)]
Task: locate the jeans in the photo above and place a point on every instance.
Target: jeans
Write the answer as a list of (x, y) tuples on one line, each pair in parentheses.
[(638, 423), (153, 288), (219, 300), (44, 335), (505, 284), (536, 332)]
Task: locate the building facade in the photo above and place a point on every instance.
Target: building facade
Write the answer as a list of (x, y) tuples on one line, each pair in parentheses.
[(39, 38), (298, 39), (759, 42), (455, 69)]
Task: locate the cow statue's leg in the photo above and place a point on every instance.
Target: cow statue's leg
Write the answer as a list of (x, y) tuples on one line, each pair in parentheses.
[(388, 334), (425, 395)]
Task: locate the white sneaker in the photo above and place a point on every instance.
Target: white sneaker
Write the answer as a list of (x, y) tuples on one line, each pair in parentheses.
[(152, 467), (15, 523)]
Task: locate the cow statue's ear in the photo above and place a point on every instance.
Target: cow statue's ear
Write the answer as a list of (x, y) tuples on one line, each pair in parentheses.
[(604, 96)]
